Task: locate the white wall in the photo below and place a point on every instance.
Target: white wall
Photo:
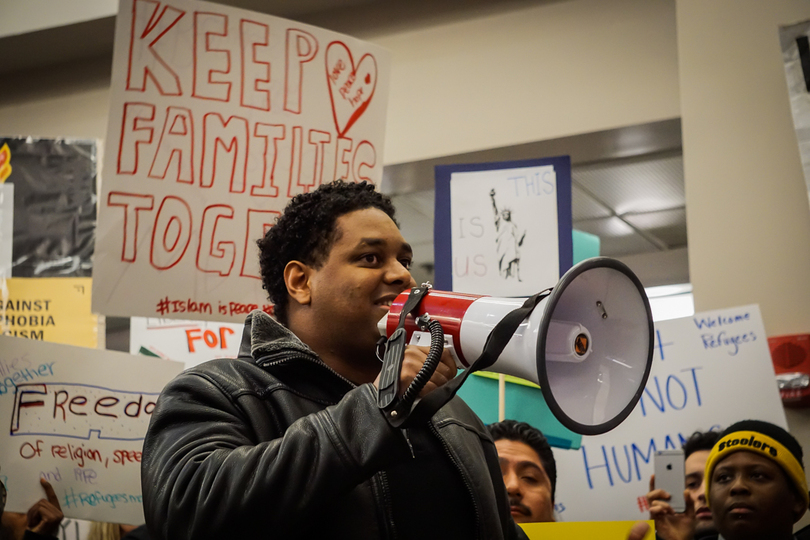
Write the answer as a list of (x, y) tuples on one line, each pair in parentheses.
[(62, 101), (537, 73), (21, 16)]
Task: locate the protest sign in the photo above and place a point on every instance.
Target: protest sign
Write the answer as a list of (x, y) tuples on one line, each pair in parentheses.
[(709, 371), (49, 309), (48, 198), (218, 116), (503, 229), (77, 417), (190, 342)]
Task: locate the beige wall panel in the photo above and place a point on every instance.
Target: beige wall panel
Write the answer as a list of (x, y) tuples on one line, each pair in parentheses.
[(747, 208), (555, 69)]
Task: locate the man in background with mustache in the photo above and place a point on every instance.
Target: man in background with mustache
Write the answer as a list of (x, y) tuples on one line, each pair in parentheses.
[(528, 468)]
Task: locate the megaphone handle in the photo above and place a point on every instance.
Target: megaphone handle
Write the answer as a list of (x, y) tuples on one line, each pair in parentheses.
[(429, 367), (403, 407), (392, 365), (394, 354), (495, 344)]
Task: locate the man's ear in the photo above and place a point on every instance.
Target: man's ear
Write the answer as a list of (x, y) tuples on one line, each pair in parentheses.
[(296, 278)]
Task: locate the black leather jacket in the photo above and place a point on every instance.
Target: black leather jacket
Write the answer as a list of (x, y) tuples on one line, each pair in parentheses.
[(276, 444)]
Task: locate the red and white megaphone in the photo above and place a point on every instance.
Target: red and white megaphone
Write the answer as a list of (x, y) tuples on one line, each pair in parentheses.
[(588, 344)]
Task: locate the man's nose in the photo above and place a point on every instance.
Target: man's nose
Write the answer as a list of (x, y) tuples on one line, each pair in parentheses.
[(739, 485), (396, 272), (512, 483), (701, 493)]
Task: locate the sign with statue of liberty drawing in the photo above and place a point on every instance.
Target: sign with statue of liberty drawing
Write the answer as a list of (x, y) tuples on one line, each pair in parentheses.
[(503, 229)]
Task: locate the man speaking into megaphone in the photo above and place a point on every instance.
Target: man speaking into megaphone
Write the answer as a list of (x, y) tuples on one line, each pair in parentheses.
[(289, 440)]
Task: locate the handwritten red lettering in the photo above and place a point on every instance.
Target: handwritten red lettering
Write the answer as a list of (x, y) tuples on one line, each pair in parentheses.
[(132, 204), (148, 28), (176, 144), (123, 457), (265, 132), (219, 256), (211, 29), (135, 131), (171, 234), (301, 48), (232, 137), (254, 38)]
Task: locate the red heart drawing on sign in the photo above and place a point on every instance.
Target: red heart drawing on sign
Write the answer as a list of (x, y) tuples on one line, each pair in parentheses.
[(350, 87)]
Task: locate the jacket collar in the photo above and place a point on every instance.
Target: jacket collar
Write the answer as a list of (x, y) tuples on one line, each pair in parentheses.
[(264, 336), (265, 341)]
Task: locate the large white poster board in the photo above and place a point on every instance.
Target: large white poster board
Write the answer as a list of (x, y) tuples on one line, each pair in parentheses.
[(76, 417), (218, 116), (709, 371)]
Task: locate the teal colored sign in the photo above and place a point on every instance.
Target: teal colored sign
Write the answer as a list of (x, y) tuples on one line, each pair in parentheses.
[(523, 403)]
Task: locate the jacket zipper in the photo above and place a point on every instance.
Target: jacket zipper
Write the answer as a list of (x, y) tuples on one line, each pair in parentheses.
[(383, 479), (408, 440), (308, 358), (470, 491), (389, 510)]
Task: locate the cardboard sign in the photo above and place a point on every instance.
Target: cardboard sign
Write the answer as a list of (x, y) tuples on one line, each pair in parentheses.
[(49, 309), (76, 417), (709, 371), (190, 342), (503, 229), (218, 117)]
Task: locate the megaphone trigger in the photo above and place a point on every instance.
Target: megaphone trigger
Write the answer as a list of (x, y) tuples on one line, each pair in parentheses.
[(392, 365)]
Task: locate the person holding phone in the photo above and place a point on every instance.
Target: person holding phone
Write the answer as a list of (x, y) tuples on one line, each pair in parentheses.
[(696, 521)]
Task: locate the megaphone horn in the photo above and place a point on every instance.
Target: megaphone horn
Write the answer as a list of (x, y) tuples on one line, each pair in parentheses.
[(588, 344)]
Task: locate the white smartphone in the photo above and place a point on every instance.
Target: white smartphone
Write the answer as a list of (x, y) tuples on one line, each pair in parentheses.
[(670, 476)]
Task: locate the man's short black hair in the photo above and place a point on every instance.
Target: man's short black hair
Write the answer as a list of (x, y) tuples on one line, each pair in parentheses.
[(700, 440), (512, 430), (306, 232)]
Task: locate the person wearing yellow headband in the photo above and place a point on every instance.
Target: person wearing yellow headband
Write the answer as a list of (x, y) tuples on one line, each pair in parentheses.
[(755, 482)]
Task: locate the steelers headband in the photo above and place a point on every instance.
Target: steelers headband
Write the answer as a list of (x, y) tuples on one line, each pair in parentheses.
[(758, 443)]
